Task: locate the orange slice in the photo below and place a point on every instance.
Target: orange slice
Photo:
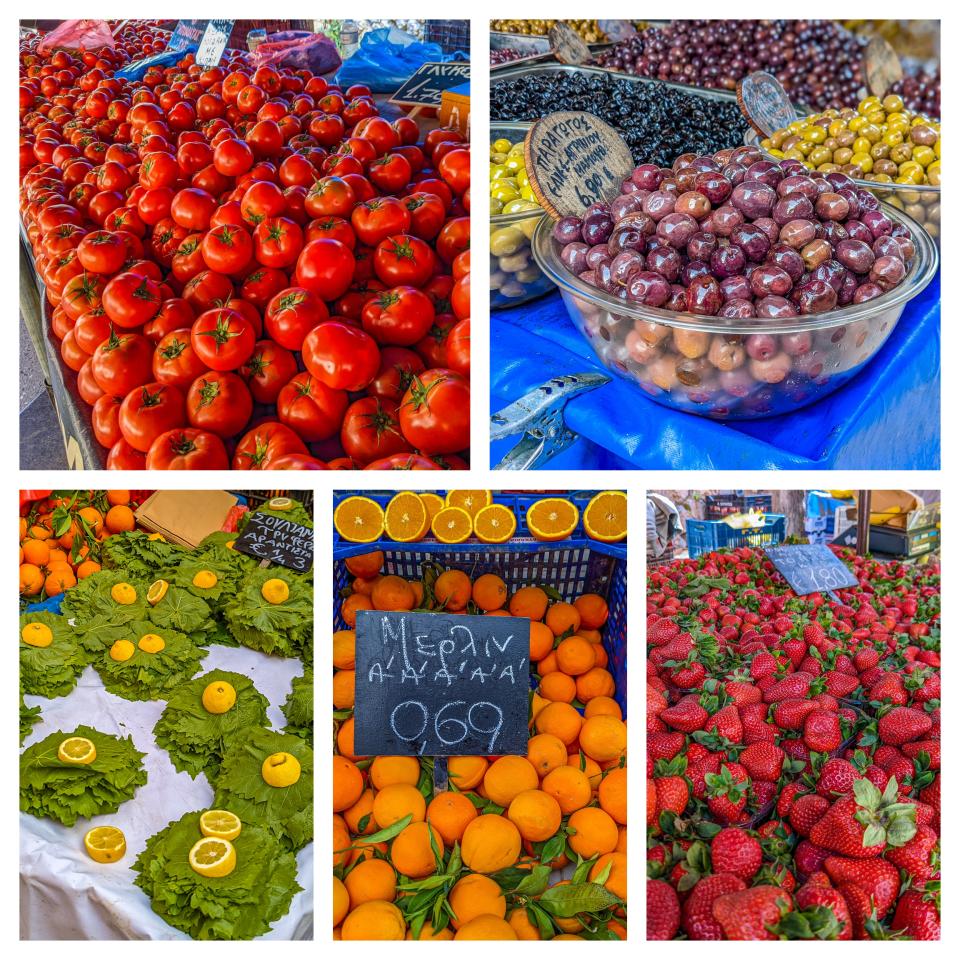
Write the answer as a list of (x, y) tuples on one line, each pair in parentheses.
[(452, 525), (605, 517), (406, 518), (359, 520), (552, 519), (495, 524), (473, 501), (433, 502)]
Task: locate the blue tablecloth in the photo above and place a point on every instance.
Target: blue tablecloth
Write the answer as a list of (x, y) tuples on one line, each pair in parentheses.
[(887, 418)]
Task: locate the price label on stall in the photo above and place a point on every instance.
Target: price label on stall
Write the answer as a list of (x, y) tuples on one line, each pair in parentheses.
[(574, 159), (567, 45), (811, 568), (277, 540), (426, 86), (214, 42), (186, 32), (765, 103), (438, 684), (881, 66)]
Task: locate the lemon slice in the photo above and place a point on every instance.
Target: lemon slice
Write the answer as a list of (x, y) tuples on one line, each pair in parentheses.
[(229, 544), (122, 650), (157, 536), (204, 579), (213, 857), (280, 503), (105, 844), (219, 697), (151, 643), (77, 750), (37, 635), (158, 590), (221, 824), (281, 770), (275, 591), (123, 593)]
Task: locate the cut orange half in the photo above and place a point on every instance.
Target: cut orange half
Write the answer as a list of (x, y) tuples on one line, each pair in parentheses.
[(605, 517), (495, 524), (406, 518), (359, 520), (552, 519), (473, 501), (433, 502), (452, 525)]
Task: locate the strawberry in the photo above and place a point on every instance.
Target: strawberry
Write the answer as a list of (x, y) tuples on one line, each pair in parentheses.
[(663, 911), (764, 792), (662, 632), (840, 684), (903, 724), (698, 920), (865, 659), (807, 811), (930, 747), (751, 914), (686, 715), (817, 892), (793, 685), (764, 761), (917, 858), (809, 857), (795, 649), (727, 792), (918, 913), (789, 714), (673, 795), (726, 723), (664, 746), (814, 635), (836, 778), (879, 879), (763, 665), (742, 693), (651, 802), (688, 675), (735, 851), (888, 687), (787, 797), (821, 731), (863, 914)]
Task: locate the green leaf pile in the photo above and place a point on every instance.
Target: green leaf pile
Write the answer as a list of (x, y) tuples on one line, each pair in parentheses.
[(50, 671), (217, 560), (285, 629), (242, 905), (28, 717), (150, 676), (286, 811), (298, 707), (197, 740), (136, 555), (91, 598), (49, 787), (215, 545), (182, 611)]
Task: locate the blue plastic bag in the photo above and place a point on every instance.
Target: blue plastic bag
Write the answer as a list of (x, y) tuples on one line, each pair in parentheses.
[(387, 58)]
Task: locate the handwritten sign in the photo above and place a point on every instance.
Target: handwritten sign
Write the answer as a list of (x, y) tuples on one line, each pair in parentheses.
[(811, 568), (765, 103), (185, 33), (214, 42), (567, 45), (574, 159), (426, 86), (439, 684), (277, 540), (881, 66)]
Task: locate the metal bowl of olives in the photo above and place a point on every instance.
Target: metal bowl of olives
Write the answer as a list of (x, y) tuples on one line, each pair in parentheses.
[(515, 277), (735, 369)]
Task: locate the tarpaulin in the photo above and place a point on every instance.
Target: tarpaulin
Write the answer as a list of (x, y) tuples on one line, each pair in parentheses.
[(886, 418)]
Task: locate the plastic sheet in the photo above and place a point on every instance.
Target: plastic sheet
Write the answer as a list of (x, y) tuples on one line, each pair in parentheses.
[(887, 418), (78, 35), (64, 895), (299, 50)]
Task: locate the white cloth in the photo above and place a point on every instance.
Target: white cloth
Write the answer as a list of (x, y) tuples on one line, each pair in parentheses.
[(64, 894)]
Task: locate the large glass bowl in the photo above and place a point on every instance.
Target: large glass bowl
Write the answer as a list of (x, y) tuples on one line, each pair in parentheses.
[(921, 202), (515, 277), (684, 361)]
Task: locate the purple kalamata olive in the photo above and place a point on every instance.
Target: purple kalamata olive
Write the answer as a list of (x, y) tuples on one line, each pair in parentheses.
[(737, 310), (769, 280), (817, 296), (574, 257), (752, 241), (832, 206), (677, 229), (702, 245), (567, 230), (724, 220), (787, 259), (665, 261), (596, 228), (659, 204), (647, 176), (693, 270), (648, 288), (761, 346), (794, 206), (753, 199), (775, 308), (887, 272), (855, 255), (796, 344), (728, 261), (798, 233), (704, 297), (714, 186), (736, 288)]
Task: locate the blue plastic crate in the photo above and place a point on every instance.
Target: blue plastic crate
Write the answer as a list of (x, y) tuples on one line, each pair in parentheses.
[(721, 505), (706, 535)]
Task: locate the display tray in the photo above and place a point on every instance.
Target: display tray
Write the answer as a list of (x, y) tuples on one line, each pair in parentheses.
[(904, 543)]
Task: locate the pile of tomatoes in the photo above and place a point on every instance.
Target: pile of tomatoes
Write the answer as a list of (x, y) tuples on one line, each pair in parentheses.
[(247, 266)]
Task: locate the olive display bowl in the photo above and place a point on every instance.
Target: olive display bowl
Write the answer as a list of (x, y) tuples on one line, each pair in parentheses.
[(920, 202), (515, 277), (710, 366)]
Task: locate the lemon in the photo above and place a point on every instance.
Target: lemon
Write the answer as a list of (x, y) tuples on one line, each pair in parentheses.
[(213, 857), (205, 579), (221, 824), (122, 650), (158, 590), (218, 697), (37, 635), (280, 503), (281, 770), (229, 544), (157, 536), (151, 643), (77, 750), (275, 591), (123, 593), (105, 844)]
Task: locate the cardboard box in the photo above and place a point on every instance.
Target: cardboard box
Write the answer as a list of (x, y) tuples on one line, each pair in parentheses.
[(455, 109), (185, 517)]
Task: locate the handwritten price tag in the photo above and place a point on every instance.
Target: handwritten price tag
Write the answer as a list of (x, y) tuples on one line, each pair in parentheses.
[(279, 541), (811, 568), (765, 103)]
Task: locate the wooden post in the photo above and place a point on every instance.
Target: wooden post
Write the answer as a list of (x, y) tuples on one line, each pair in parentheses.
[(863, 522)]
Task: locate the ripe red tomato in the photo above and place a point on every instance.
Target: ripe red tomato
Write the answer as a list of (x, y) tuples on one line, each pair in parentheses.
[(400, 316), (460, 297), (219, 402), (435, 412), (292, 314), (261, 446), (102, 251), (375, 220), (341, 356), (192, 208), (223, 339), (403, 461), (91, 330), (453, 239), (227, 249), (404, 259), (397, 368), (187, 448), (174, 314), (311, 408), (123, 457), (371, 430), (427, 214), (269, 369), (391, 173), (232, 157), (325, 267), (122, 362), (278, 242), (105, 419), (458, 348), (131, 300), (330, 196), (454, 167), (148, 411), (175, 362)]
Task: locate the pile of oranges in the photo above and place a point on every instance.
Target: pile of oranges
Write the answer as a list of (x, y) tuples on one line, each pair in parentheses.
[(480, 860), (60, 537)]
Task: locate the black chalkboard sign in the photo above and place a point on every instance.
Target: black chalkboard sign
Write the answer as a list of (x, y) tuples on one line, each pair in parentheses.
[(811, 568), (426, 86), (440, 684), (277, 540)]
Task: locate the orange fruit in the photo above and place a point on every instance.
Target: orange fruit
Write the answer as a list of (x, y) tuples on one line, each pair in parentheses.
[(546, 752), (344, 649), (592, 609), (594, 636), (452, 525), (417, 587), (341, 841), (344, 684), (406, 519), (590, 767), (345, 739), (119, 519), (59, 580), (612, 794), (392, 593), (359, 520), (561, 720), (86, 568), (552, 518), (473, 895), (452, 590), (341, 901), (93, 517), (602, 705), (40, 531), (117, 498), (433, 502), (365, 565), (58, 556), (426, 931), (72, 532), (548, 664), (558, 686), (592, 832), (541, 640), (576, 655), (347, 784), (364, 587), (374, 920), (36, 552), (412, 853), (508, 776), (465, 773), (472, 501), (350, 606), (371, 880), (596, 682), (521, 924), (450, 812), (529, 602), (486, 927), (569, 787), (490, 843), (386, 771), (563, 618), (536, 815), (489, 592), (397, 801), (31, 579), (601, 654), (603, 738), (359, 817), (495, 524), (605, 516)]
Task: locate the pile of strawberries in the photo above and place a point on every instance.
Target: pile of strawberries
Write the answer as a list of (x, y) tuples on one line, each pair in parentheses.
[(793, 752)]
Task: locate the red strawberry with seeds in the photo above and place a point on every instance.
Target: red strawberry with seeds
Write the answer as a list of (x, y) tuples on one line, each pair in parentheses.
[(726, 723), (735, 851), (662, 631), (806, 811), (877, 877), (836, 778), (664, 746), (809, 857), (663, 911), (821, 731), (903, 724), (917, 857), (918, 913), (698, 920), (817, 892), (764, 761), (790, 714), (686, 715), (751, 914), (727, 792)]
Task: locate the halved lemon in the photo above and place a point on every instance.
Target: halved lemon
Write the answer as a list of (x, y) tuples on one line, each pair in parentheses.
[(359, 520), (406, 518), (105, 844), (605, 516), (37, 635), (151, 643), (158, 590), (123, 593), (157, 536), (122, 650), (473, 501), (495, 524), (78, 750), (552, 518), (204, 579), (280, 769), (213, 857), (275, 591), (452, 525), (218, 697), (433, 502), (280, 503), (221, 824)]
